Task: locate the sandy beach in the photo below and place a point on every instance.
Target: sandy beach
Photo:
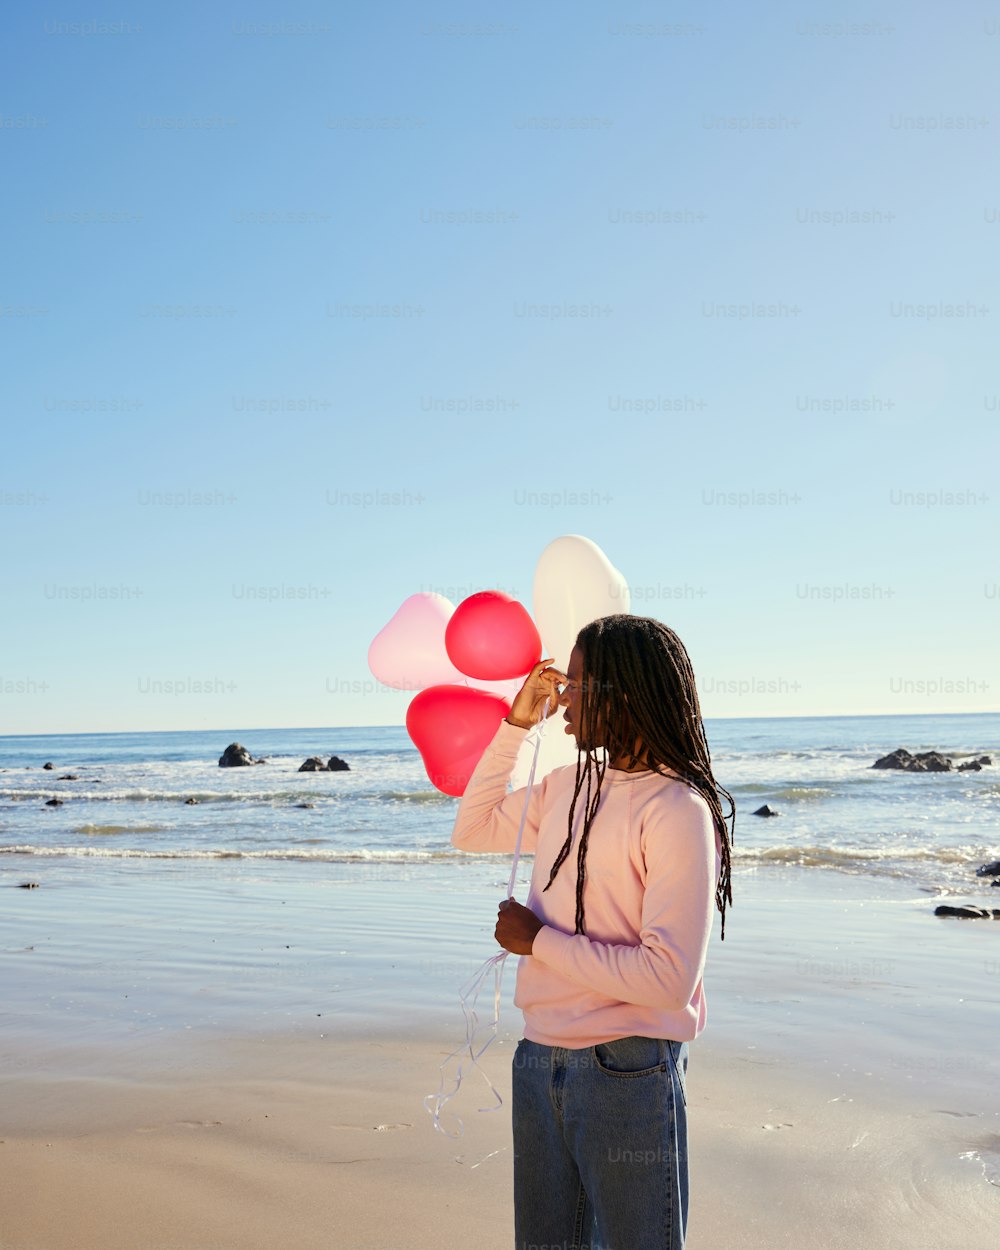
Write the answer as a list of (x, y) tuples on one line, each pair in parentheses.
[(284, 1143), (233, 1064)]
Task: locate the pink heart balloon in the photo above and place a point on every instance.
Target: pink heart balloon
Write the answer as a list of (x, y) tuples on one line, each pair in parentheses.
[(409, 652), (451, 727), (491, 636)]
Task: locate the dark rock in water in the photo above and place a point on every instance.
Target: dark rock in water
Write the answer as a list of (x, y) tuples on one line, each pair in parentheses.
[(260, 761), (989, 870), (313, 765), (926, 762), (765, 811), (191, 802), (337, 765), (48, 767), (305, 804), (53, 802), (235, 756), (968, 913), (68, 777), (29, 885), (929, 762)]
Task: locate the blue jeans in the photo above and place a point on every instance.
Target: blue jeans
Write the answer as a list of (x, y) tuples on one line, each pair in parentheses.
[(600, 1146)]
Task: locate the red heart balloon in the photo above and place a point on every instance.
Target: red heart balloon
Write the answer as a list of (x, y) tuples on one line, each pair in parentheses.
[(492, 637), (451, 727)]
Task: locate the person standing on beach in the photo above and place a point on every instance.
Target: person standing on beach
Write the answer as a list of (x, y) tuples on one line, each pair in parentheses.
[(610, 979)]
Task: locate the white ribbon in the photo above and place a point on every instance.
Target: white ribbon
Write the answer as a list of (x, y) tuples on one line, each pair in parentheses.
[(472, 1050)]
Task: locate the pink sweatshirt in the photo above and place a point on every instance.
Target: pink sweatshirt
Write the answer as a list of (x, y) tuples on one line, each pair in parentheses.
[(651, 870)]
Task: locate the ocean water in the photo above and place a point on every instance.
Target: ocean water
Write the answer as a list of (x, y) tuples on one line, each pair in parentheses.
[(129, 800), (159, 923)]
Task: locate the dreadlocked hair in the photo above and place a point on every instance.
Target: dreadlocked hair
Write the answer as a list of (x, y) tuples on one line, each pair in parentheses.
[(640, 702)]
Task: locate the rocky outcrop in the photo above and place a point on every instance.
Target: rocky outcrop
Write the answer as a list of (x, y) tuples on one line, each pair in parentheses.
[(928, 762), (968, 913), (315, 764), (765, 811), (236, 756), (989, 870)]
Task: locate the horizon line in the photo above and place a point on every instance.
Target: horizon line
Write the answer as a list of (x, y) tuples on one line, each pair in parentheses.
[(94, 733)]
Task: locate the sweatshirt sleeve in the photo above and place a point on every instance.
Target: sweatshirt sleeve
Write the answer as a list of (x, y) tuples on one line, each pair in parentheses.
[(488, 817), (663, 971)]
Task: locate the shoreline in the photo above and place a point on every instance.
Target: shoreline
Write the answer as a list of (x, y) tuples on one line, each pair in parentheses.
[(126, 952)]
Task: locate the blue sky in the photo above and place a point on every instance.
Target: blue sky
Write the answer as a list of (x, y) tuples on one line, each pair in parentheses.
[(713, 285)]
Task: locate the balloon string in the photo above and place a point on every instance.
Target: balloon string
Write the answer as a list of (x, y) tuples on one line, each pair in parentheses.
[(471, 1050), (537, 731)]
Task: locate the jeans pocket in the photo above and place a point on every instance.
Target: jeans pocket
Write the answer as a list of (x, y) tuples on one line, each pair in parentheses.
[(630, 1057), (679, 1062)]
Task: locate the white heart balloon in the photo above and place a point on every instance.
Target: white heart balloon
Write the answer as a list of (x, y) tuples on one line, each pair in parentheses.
[(575, 583), (409, 652)]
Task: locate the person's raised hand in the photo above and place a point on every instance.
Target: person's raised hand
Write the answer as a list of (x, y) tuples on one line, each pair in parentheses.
[(541, 688)]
